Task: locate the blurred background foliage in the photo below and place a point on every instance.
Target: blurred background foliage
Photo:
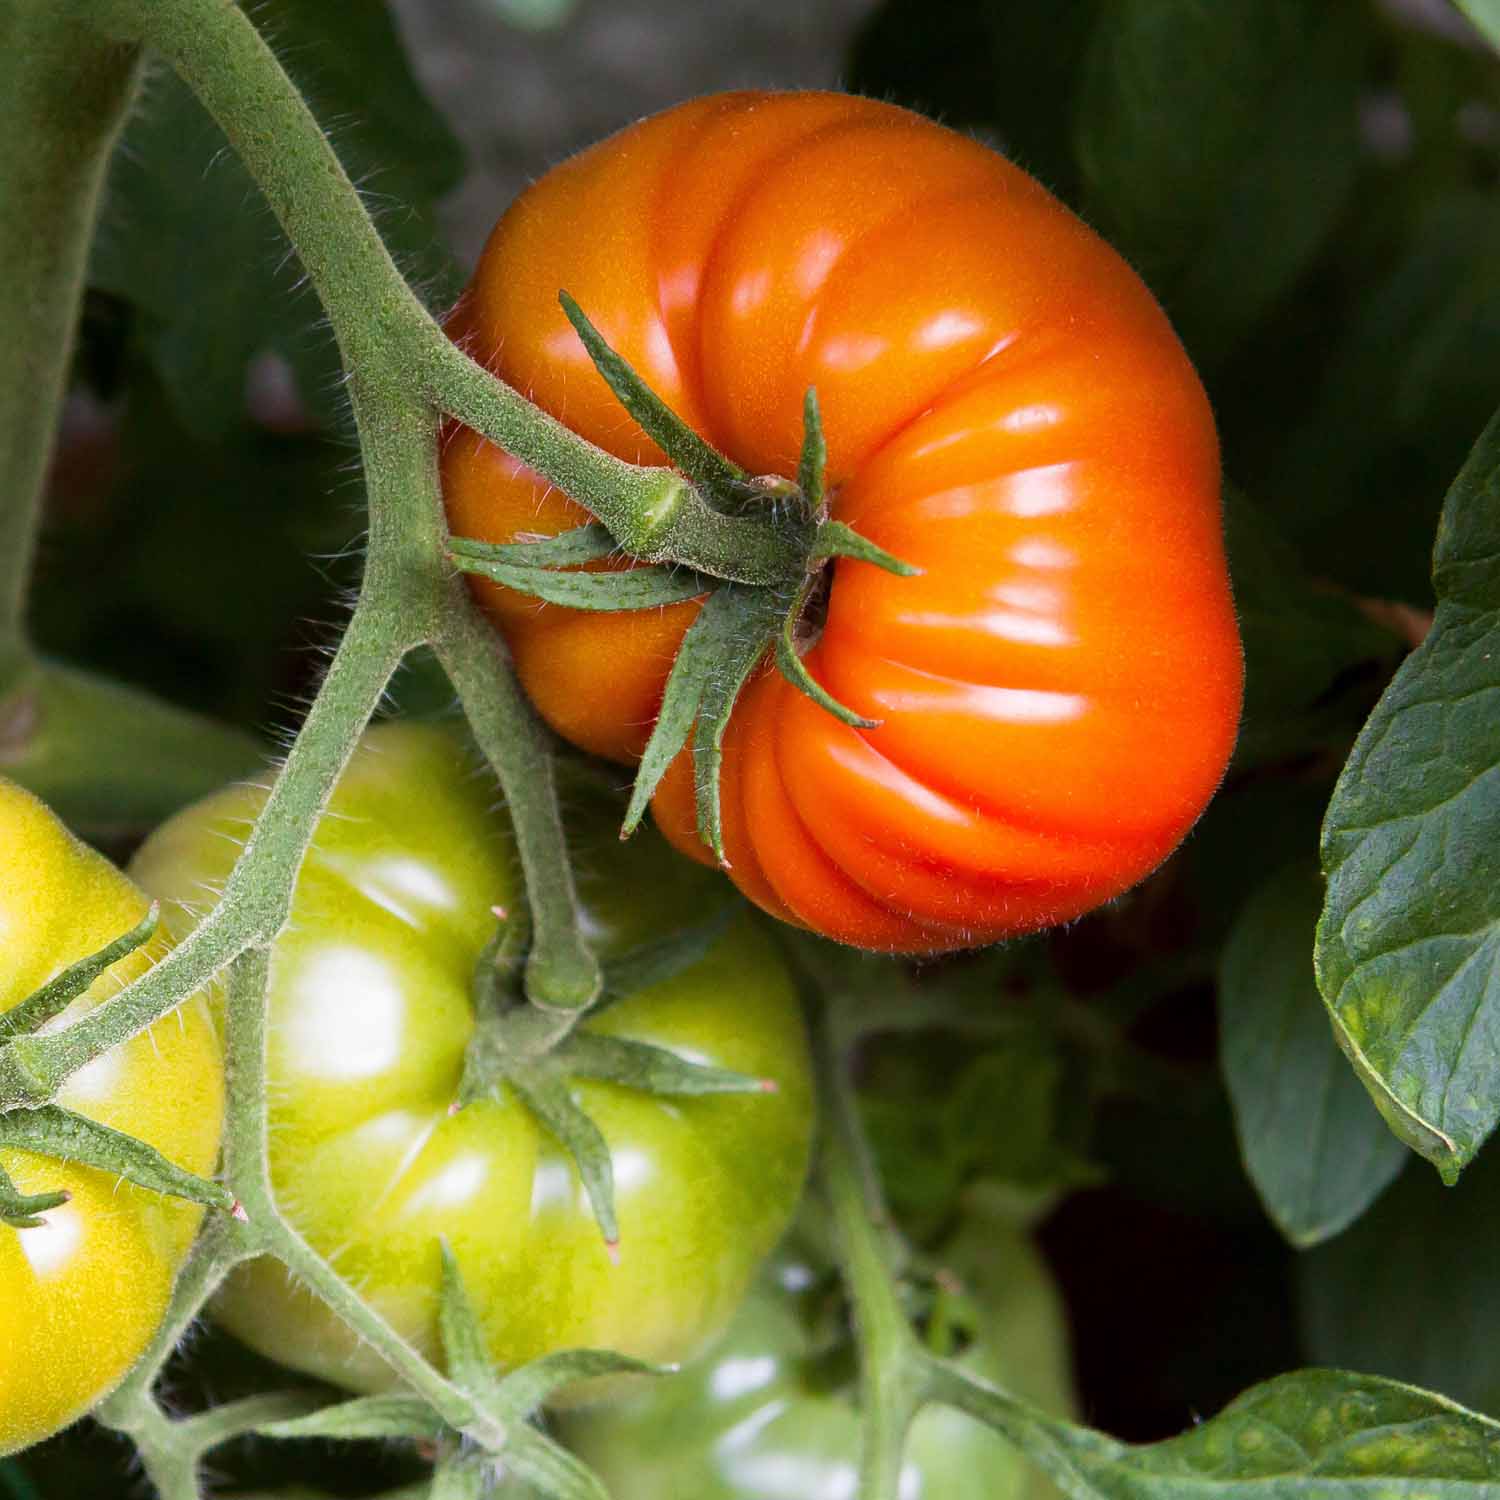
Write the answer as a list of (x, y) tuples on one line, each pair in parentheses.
[(1310, 188)]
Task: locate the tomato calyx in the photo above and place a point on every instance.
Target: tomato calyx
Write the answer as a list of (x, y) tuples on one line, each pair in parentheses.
[(538, 1053), (503, 1405), (47, 1129), (742, 623)]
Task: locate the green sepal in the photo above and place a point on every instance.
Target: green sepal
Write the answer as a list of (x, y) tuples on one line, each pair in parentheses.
[(57, 1132), (663, 960), (813, 463), (643, 587), (650, 1069), (835, 539), (535, 1459), (709, 640), (545, 1091), (756, 621), (23, 1210), (791, 666), (461, 1476), (525, 1388), (395, 1414), (62, 990), (468, 1357), (686, 451), (568, 549)]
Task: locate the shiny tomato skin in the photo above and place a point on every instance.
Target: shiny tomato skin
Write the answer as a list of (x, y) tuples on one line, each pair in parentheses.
[(759, 1418), (82, 1294), (1006, 408), (370, 1013)]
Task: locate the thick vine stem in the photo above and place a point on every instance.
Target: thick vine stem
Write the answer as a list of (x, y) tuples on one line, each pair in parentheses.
[(64, 91), (893, 1367)]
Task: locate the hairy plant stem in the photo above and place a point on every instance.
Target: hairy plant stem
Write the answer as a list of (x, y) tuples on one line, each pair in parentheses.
[(64, 92), (651, 511), (893, 1367)]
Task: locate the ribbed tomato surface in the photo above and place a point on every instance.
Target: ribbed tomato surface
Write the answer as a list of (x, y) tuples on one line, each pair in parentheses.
[(1006, 407)]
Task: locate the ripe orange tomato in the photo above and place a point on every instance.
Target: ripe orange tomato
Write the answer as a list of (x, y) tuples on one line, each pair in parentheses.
[(1006, 407)]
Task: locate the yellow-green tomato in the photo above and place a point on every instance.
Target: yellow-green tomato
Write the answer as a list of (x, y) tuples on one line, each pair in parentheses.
[(371, 1010), (770, 1413), (82, 1293)]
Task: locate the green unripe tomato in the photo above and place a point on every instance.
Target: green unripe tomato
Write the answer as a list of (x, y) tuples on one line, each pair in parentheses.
[(370, 1014), (769, 1415)]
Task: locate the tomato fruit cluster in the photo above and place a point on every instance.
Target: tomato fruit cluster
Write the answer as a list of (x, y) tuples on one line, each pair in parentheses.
[(1006, 408), (82, 1293), (371, 1013)]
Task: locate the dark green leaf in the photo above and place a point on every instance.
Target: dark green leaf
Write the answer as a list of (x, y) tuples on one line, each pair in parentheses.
[(1315, 1148), (57, 1132), (1298, 639), (630, 588), (58, 993), (685, 450), (1217, 145), (1408, 948), (395, 1415), (1314, 1435), (160, 757), (1413, 1290), (1485, 14), (188, 240), (1009, 68)]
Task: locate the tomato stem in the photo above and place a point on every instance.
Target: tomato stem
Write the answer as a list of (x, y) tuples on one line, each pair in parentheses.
[(64, 92)]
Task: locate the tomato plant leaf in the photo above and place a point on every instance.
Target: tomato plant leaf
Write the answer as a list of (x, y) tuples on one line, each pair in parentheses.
[(1312, 1435), (393, 1415), (1408, 950), (644, 587), (1316, 1150), (58, 993), (188, 240), (1217, 145), (536, 1460), (791, 666), (1298, 639), (57, 1132), (685, 450), (1485, 14), (1426, 1257), (587, 543)]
